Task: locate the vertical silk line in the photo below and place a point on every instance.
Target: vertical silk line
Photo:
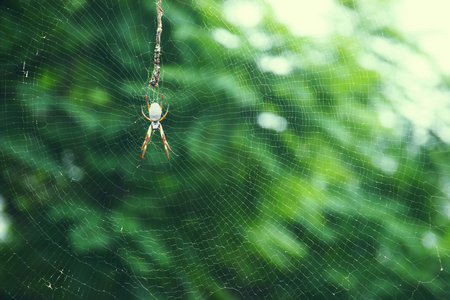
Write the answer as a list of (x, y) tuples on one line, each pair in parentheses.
[(157, 68)]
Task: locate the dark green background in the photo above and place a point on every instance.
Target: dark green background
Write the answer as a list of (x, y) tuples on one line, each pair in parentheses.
[(242, 212)]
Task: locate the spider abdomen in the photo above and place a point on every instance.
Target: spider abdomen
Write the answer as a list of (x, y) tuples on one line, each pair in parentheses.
[(155, 112)]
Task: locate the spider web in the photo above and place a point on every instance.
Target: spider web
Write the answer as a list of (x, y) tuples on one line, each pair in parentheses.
[(308, 164)]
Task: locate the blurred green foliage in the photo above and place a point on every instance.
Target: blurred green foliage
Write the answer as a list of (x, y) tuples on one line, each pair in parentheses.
[(242, 212)]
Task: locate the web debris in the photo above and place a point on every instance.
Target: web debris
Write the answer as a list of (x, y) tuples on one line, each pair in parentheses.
[(157, 68)]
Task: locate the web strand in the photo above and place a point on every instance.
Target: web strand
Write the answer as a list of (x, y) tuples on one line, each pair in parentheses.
[(296, 176)]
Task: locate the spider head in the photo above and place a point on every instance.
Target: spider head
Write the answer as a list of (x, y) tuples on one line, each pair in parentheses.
[(155, 112)]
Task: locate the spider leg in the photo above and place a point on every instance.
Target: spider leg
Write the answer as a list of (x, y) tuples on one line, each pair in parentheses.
[(165, 113), (147, 138), (166, 145), (162, 94), (148, 105), (142, 111)]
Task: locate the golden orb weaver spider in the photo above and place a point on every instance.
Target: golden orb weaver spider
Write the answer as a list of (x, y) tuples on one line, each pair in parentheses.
[(154, 116)]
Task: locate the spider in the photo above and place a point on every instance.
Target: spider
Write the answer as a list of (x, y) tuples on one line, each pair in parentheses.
[(154, 116)]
